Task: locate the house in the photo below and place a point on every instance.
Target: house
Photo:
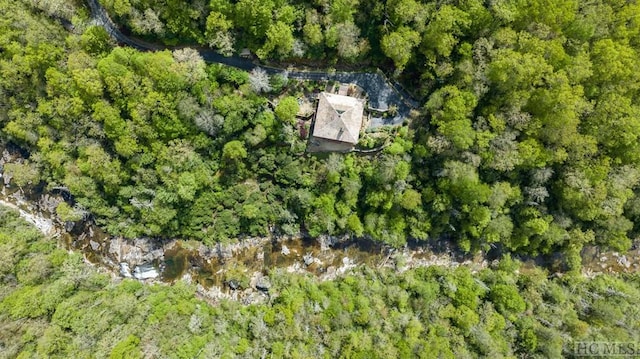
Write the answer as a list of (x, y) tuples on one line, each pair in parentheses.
[(337, 123)]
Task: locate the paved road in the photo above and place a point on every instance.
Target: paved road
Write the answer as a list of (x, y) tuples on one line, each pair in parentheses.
[(382, 93)]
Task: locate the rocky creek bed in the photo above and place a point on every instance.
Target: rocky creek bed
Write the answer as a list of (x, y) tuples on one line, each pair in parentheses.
[(242, 270)]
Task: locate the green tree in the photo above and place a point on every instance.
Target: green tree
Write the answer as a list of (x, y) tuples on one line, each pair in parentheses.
[(254, 16), (218, 33), (23, 174), (506, 299), (442, 31), (312, 29), (234, 151), (96, 41), (355, 225), (127, 348), (345, 38), (451, 108), (399, 45), (68, 213), (287, 109), (279, 39)]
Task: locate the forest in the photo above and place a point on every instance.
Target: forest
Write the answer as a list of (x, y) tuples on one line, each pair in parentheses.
[(53, 305), (526, 139)]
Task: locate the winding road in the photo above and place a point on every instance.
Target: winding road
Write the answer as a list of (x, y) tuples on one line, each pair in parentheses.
[(382, 92)]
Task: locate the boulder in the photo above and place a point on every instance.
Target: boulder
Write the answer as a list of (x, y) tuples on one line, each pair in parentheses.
[(223, 252), (7, 179), (48, 203), (263, 284), (327, 241), (69, 226), (233, 284), (145, 244), (153, 255), (115, 247), (308, 259), (623, 261), (94, 245), (125, 271), (10, 279)]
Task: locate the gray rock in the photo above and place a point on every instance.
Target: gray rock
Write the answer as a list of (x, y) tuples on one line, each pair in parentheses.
[(623, 261), (308, 259), (205, 252), (48, 203), (326, 241), (115, 245), (263, 284), (331, 272), (7, 179), (223, 252), (157, 253), (94, 245), (131, 254), (68, 226), (153, 255), (125, 271), (285, 250), (143, 243), (233, 284), (252, 298), (10, 279)]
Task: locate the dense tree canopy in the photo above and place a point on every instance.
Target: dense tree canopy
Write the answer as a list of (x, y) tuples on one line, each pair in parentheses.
[(53, 305), (525, 140), (527, 136)]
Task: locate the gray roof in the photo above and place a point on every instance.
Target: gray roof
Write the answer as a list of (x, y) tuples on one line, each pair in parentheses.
[(338, 118)]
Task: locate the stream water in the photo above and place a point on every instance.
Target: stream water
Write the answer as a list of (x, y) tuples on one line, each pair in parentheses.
[(240, 270)]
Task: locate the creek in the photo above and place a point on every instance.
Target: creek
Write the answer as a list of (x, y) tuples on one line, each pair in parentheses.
[(241, 270)]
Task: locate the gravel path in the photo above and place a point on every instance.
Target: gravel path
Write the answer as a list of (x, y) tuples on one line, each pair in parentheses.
[(382, 93)]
